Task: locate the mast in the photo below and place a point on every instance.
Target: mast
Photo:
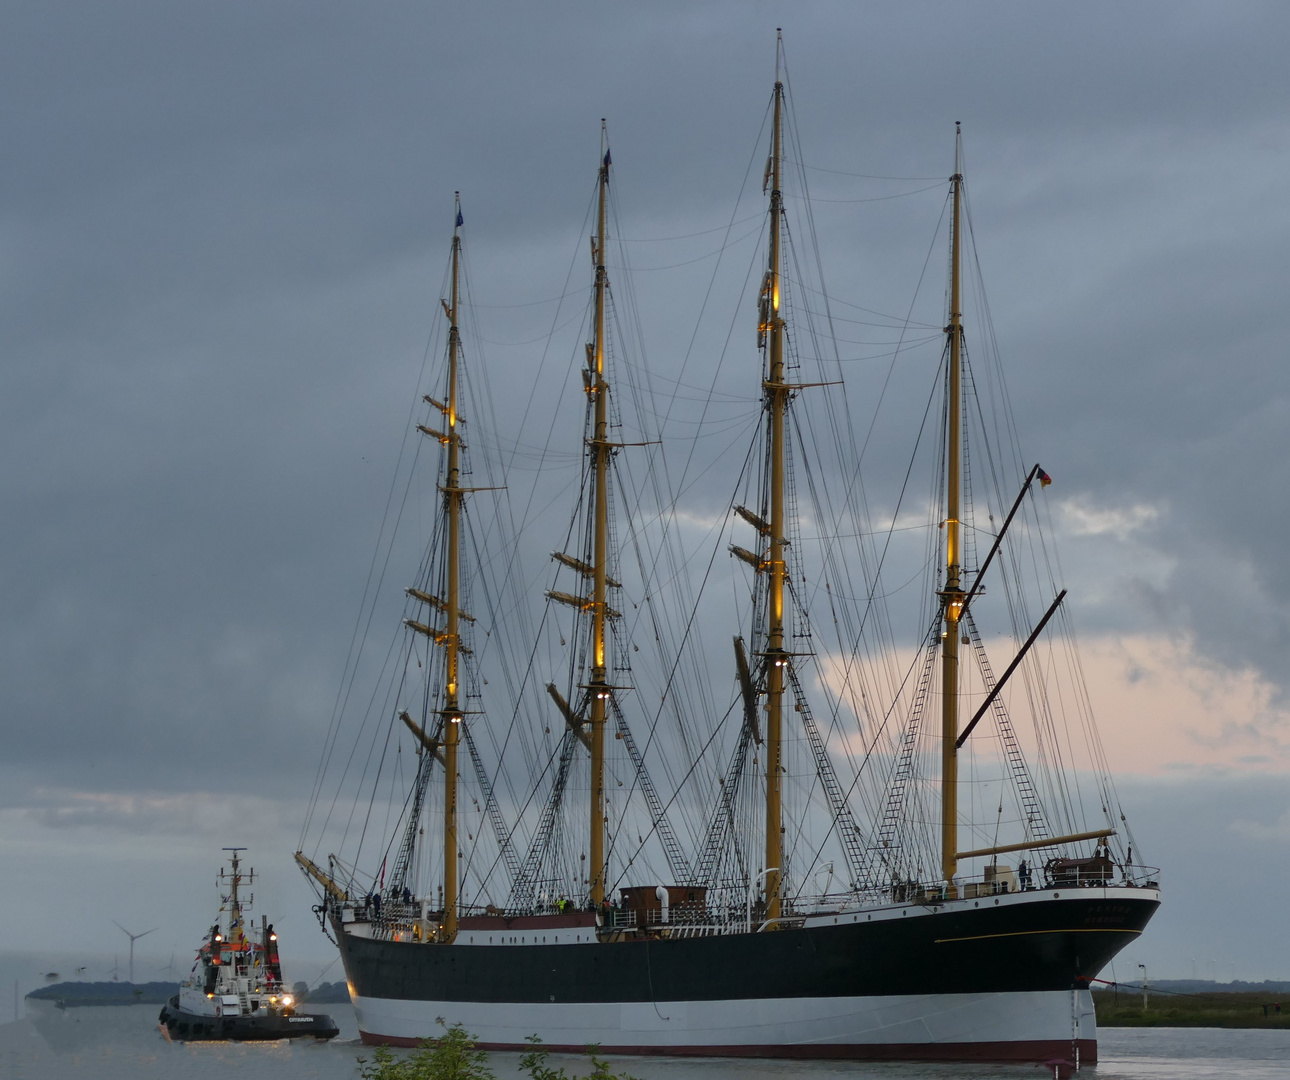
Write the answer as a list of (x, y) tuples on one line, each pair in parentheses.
[(453, 495), (600, 450), (236, 931), (952, 594), (777, 404)]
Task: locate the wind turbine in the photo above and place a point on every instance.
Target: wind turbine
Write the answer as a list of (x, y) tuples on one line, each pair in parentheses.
[(133, 938)]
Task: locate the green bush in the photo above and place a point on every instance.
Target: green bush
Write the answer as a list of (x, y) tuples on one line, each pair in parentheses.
[(453, 1056), (534, 1063)]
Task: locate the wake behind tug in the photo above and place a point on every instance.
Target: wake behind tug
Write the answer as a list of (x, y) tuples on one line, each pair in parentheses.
[(235, 990)]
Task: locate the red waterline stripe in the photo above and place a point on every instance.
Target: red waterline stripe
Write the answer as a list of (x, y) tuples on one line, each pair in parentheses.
[(1032, 1050)]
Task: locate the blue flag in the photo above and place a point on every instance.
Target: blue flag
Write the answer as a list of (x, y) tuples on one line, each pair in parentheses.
[(460, 220), (608, 162)]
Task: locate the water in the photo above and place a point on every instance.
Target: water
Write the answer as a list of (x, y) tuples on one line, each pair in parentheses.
[(123, 1044)]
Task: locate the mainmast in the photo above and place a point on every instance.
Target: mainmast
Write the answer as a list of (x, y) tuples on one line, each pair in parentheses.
[(952, 594), (599, 687), (453, 495), (776, 398)]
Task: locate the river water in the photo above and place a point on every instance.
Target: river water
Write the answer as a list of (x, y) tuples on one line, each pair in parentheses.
[(123, 1044)]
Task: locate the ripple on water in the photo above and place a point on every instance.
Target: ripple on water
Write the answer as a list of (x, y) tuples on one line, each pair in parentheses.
[(123, 1044)]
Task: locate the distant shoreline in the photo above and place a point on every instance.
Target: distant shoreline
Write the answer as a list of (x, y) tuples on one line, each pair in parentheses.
[(1123, 1007), (82, 994)]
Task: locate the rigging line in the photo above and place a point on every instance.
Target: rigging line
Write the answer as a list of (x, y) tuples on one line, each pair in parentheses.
[(865, 176), (649, 574), (498, 619), (860, 510), (864, 618), (530, 400), (892, 367), (689, 625), (512, 564), (896, 320), (863, 533), (530, 303), (729, 396), (376, 781), (334, 735), (716, 730), (687, 262), (371, 714), (891, 324), (884, 198), (347, 675), (869, 607), (533, 790), (510, 730), (930, 335), (541, 337), (686, 236), (707, 296), (680, 652), (1041, 708)]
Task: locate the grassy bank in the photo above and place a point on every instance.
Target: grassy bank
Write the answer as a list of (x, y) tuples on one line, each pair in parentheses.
[(1123, 1008)]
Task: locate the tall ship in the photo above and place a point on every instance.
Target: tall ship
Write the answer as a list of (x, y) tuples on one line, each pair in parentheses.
[(870, 848)]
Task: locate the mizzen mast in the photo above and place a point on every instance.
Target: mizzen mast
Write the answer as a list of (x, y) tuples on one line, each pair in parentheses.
[(953, 593), (776, 403), (599, 688)]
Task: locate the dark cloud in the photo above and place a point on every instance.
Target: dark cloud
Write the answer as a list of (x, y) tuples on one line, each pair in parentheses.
[(221, 236)]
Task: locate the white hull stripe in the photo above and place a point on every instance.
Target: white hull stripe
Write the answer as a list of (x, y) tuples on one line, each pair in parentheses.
[(811, 1024)]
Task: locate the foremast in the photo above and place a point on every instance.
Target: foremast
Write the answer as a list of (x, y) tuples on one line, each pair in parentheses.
[(776, 393), (600, 449), (952, 594)]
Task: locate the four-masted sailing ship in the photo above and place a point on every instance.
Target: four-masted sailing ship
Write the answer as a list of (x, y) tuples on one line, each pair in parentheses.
[(934, 949)]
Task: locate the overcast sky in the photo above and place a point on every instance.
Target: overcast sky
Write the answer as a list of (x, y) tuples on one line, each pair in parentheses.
[(222, 236)]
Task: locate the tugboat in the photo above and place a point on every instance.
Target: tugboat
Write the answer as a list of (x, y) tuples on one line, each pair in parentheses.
[(235, 990)]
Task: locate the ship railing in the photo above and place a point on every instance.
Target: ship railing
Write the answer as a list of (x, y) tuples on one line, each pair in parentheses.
[(620, 918), (1000, 880), (992, 881), (681, 921), (828, 903)]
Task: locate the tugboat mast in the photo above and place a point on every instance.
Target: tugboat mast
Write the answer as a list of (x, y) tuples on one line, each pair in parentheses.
[(601, 448), (952, 594), (776, 398), (236, 933)]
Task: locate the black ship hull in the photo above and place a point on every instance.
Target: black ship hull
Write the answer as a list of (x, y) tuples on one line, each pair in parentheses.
[(1002, 978), (179, 1025)]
